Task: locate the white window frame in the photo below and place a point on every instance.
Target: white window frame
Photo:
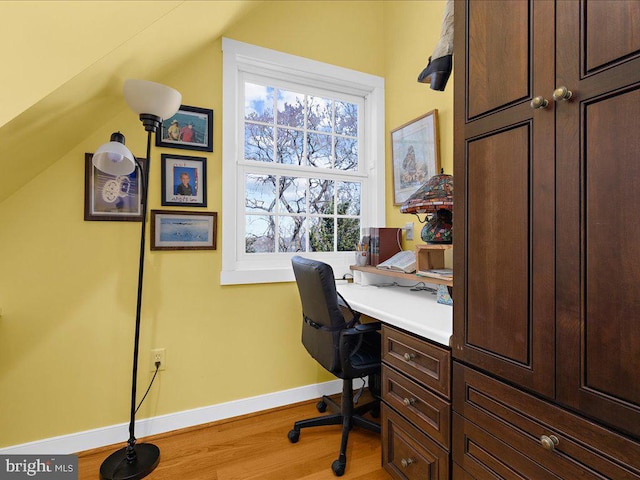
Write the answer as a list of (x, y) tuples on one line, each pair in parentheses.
[(242, 59)]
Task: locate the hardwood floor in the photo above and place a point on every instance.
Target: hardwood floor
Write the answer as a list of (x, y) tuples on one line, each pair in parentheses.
[(255, 447)]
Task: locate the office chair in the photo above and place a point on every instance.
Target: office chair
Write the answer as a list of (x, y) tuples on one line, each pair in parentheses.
[(332, 334)]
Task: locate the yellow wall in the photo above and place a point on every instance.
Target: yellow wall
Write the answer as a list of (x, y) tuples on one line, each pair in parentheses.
[(67, 287), (412, 31)]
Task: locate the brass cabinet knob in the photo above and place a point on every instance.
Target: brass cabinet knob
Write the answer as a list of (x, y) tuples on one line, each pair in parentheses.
[(409, 356), (539, 102), (549, 442), (562, 93), (405, 462), (409, 401)]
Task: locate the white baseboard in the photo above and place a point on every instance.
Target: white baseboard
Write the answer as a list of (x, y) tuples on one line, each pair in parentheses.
[(100, 437)]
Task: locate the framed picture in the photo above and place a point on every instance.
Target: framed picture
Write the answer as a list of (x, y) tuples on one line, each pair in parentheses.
[(415, 149), (176, 230), (190, 128), (113, 198), (184, 180)]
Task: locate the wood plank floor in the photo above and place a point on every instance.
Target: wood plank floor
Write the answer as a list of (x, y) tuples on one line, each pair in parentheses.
[(255, 447)]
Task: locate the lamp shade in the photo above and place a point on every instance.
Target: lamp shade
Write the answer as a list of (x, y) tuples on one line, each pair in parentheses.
[(113, 157), (144, 96), (435, 194)]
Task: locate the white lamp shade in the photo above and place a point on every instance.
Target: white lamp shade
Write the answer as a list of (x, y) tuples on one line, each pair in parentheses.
[(156, 99), (114, 158)]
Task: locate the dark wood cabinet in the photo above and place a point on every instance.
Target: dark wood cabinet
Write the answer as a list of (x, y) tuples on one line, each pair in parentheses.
[(598, 236), (416, 409), (547, 245), (504, 197), (498, 430)]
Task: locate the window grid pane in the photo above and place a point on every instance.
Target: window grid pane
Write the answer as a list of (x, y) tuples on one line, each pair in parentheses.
[(300, 213)]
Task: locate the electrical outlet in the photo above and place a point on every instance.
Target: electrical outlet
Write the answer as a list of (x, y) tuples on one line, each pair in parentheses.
[(409, 229), (158, 355)]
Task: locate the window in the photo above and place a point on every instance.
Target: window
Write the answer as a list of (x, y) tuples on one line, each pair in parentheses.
[(303, 162)]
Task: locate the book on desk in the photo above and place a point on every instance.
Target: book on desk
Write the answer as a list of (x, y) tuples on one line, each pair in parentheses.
[(404, 261), (440, 273)]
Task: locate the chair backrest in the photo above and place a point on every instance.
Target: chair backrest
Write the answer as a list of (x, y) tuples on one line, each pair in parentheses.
[(321, 314)]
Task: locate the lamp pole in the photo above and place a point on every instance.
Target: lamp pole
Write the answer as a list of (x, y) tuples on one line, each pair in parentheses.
[(136, 461)]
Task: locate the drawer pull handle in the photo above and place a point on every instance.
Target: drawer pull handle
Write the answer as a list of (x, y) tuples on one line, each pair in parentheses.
[(539, 103), (409, 401), (405, 462), (409, 356), (562, 93), (549, 442)]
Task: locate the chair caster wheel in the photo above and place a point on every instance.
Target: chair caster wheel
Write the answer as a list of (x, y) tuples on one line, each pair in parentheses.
[(294, 435), (321, 406), (338, 468)]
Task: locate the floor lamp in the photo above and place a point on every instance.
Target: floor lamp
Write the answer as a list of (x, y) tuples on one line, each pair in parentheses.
[(153, 102)]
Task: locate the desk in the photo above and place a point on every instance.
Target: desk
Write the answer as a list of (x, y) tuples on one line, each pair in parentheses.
[(416, 376), (416, 312)]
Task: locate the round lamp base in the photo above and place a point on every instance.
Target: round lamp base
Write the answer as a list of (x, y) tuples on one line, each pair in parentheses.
[(116, 467), (439, 228)]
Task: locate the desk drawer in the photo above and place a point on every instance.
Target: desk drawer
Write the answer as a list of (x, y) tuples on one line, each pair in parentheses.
[(408, 454), (504, 427), (424, 409), (420, 360)]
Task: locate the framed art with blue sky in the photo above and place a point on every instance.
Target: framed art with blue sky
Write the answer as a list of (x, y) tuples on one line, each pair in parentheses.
[(191, 128), (183, 230), (184, 180)]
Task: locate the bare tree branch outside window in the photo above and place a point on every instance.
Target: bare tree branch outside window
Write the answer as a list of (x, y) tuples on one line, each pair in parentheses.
[(285, 213)]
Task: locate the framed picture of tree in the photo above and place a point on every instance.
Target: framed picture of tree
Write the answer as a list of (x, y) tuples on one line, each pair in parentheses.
[(415, 150)]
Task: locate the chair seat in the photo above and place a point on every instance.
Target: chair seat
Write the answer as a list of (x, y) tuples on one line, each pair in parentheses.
[(368, 354)]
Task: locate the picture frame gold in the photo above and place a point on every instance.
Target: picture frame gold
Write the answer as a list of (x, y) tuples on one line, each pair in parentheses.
[(415, 153)]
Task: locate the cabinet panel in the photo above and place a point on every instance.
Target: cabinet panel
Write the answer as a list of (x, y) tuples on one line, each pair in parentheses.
[(408, 454), (498, 302), (424, 409), (484, 455), (505, 230), (497, 54), (608, 24), (458, 473), (612, 238), (597, 306), (584, 449)]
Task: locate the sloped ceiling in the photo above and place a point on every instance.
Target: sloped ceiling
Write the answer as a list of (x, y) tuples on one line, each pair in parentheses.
[(65, 61)]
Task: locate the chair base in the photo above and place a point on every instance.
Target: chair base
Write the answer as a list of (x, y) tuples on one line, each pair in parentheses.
[(348, 416)]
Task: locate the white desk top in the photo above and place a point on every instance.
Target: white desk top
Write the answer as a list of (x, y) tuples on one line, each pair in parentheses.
[(416, 312)]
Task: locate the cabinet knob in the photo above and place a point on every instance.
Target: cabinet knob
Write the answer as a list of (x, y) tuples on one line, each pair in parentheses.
[(409, 401), (549, 442), (539, 102), (409, 356), (405, 462), (562, 93)]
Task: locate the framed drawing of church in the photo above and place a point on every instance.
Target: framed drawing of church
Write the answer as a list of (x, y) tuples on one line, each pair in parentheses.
[(415, 150)]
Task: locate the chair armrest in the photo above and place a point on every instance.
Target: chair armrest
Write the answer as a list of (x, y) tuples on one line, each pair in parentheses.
[(361, 329)]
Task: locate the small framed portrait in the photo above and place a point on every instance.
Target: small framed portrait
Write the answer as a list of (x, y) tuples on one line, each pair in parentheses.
[(190, 128), (180, 230), (415, 149), (184, 180), (110, 197)]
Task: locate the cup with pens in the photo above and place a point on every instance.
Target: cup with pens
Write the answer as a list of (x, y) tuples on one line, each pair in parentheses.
[(362, 254)]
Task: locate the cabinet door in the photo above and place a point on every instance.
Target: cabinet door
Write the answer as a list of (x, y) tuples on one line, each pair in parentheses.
[(598, 239), (504, 197)]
